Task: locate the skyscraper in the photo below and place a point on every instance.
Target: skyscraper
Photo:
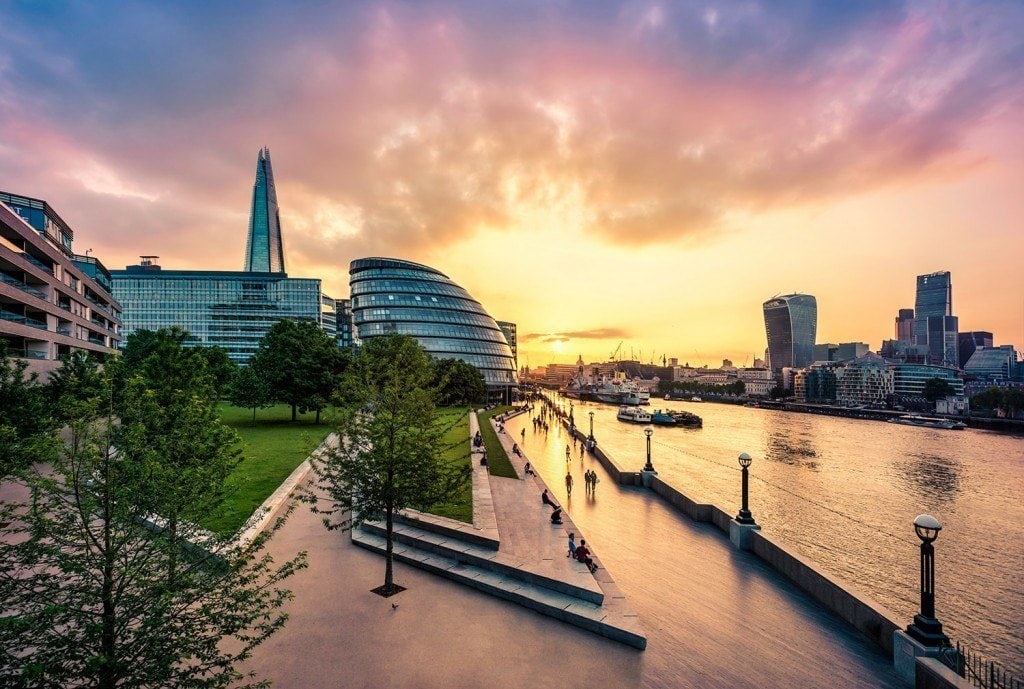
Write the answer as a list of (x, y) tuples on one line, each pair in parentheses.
[(264, 252), (968, 342), (934, 298), (791, 323), (905, 326)]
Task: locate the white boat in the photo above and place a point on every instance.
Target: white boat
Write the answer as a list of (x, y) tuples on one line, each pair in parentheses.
[(929, 422), (696, 399), (633, 415), (615, 389)]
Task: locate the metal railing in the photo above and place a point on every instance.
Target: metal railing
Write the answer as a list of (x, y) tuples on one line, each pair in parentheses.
[(21, 285), (26, 354), (984, 674), (36, 262), (22, 318)]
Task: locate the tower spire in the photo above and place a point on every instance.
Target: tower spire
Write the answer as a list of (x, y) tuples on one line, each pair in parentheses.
[(264, 250)]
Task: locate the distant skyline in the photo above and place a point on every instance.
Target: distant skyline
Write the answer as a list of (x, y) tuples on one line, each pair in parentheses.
[(593, 171)]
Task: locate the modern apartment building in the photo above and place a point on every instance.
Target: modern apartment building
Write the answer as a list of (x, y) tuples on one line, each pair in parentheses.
[(52, 301)]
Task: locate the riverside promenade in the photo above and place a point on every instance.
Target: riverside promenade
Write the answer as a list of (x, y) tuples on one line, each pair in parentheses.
[(713, 616)]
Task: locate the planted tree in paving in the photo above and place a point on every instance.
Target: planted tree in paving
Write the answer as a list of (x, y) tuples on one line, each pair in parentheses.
[(391, 450), (87, 596)]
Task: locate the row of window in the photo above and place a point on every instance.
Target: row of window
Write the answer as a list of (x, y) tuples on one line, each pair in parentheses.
[(423, 316), (461, 332), (414, 286)]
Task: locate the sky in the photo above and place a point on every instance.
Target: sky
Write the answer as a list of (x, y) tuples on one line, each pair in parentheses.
[(598, 172)]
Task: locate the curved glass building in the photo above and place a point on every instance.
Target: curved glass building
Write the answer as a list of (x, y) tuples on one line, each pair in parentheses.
[(394, 296), (791, 322)]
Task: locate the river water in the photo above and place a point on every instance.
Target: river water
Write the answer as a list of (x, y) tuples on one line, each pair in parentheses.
[(844, 493)]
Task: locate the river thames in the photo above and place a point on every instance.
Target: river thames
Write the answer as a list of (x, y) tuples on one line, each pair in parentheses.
[(844, 492)]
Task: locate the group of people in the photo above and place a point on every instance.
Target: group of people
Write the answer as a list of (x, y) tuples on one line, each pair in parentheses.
[(581, 553), (591, 480), (556, 513)]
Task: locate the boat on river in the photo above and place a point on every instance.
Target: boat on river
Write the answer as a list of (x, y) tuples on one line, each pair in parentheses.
[(614, 389), (696, 399), (676, 418), (929, 422), (633, 415)]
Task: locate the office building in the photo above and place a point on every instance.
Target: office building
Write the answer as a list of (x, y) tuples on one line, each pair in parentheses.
[(851, 350), (943, 340), (229, 309), (52, 301), (934, 298), (970, 341), (329, 315), (905, 326), (864, 381), (791, 323), (993, 364), (824, 352), (510, 335), (395, 296), (909, 379), (346, 331), (264, 250)]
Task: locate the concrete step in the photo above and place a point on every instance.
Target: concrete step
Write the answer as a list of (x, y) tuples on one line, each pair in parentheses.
[(568, 609), (450, 528), (568, 578)]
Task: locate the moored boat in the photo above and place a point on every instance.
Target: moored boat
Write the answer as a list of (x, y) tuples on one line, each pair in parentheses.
[(676, 418), (633, 415), (929, 422)]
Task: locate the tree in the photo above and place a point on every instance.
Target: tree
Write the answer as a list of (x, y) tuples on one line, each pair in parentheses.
[(77, 381), (458, 383), (937, 388), (250, 390), (220, 367), (301, 363), (26, 426), (391, 450), (87, 598), (989, 399)]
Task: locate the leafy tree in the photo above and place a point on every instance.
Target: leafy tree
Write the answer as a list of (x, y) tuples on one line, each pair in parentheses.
[(220, 367), (87, 597), (458, 383), (391, 453), (250, 390), (26, 426), (77, 381), (989, 399), (937, 388), (301, 364)]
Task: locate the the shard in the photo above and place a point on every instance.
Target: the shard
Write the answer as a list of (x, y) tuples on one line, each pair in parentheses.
[(264, 252)]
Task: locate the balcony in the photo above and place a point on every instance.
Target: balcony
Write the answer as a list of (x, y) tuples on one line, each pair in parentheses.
[(4, 277), (22, 319), (97, 340), (26, 354), (36, 262)]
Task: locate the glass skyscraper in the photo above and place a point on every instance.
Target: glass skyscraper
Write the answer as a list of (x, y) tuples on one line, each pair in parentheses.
[(264, 251), (394, 296), (791, 323), (934, 298), (228, 309)]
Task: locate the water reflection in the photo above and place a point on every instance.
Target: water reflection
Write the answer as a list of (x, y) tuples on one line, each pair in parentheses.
[(797, 450), (935, 477)]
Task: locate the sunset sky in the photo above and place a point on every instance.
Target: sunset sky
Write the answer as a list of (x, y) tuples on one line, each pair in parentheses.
[(595, 171)]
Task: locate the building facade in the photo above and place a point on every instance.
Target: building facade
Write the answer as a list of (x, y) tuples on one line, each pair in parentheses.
[(909, 379), (934, 298), (509, 329), (994, 364), (970, 341), (52, 301), (867, 380), (816, 384), (228, 309), (395, 296), (791, 324), (905, 326), (943, 340), (346, 331), (264, 250)]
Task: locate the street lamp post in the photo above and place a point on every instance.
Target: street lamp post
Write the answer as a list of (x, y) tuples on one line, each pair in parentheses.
[(926, 628), (591, 426), (648, 432), (744, 516)]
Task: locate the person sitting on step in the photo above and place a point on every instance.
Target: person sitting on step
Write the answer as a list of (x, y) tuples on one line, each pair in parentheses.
[(583, 555)]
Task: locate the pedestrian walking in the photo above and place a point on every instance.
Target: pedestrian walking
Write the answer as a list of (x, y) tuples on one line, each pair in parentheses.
[(568, 483)]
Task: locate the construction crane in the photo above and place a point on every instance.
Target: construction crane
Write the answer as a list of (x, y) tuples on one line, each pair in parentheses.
[(615, 353)]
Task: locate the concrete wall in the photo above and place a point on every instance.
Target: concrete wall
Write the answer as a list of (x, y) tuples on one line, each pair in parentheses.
[(836, 595), (870, 618), (933, 674)]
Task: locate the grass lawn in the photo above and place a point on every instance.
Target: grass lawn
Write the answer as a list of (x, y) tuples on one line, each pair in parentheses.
[(497, 458), (458, 454), (272, 449)]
